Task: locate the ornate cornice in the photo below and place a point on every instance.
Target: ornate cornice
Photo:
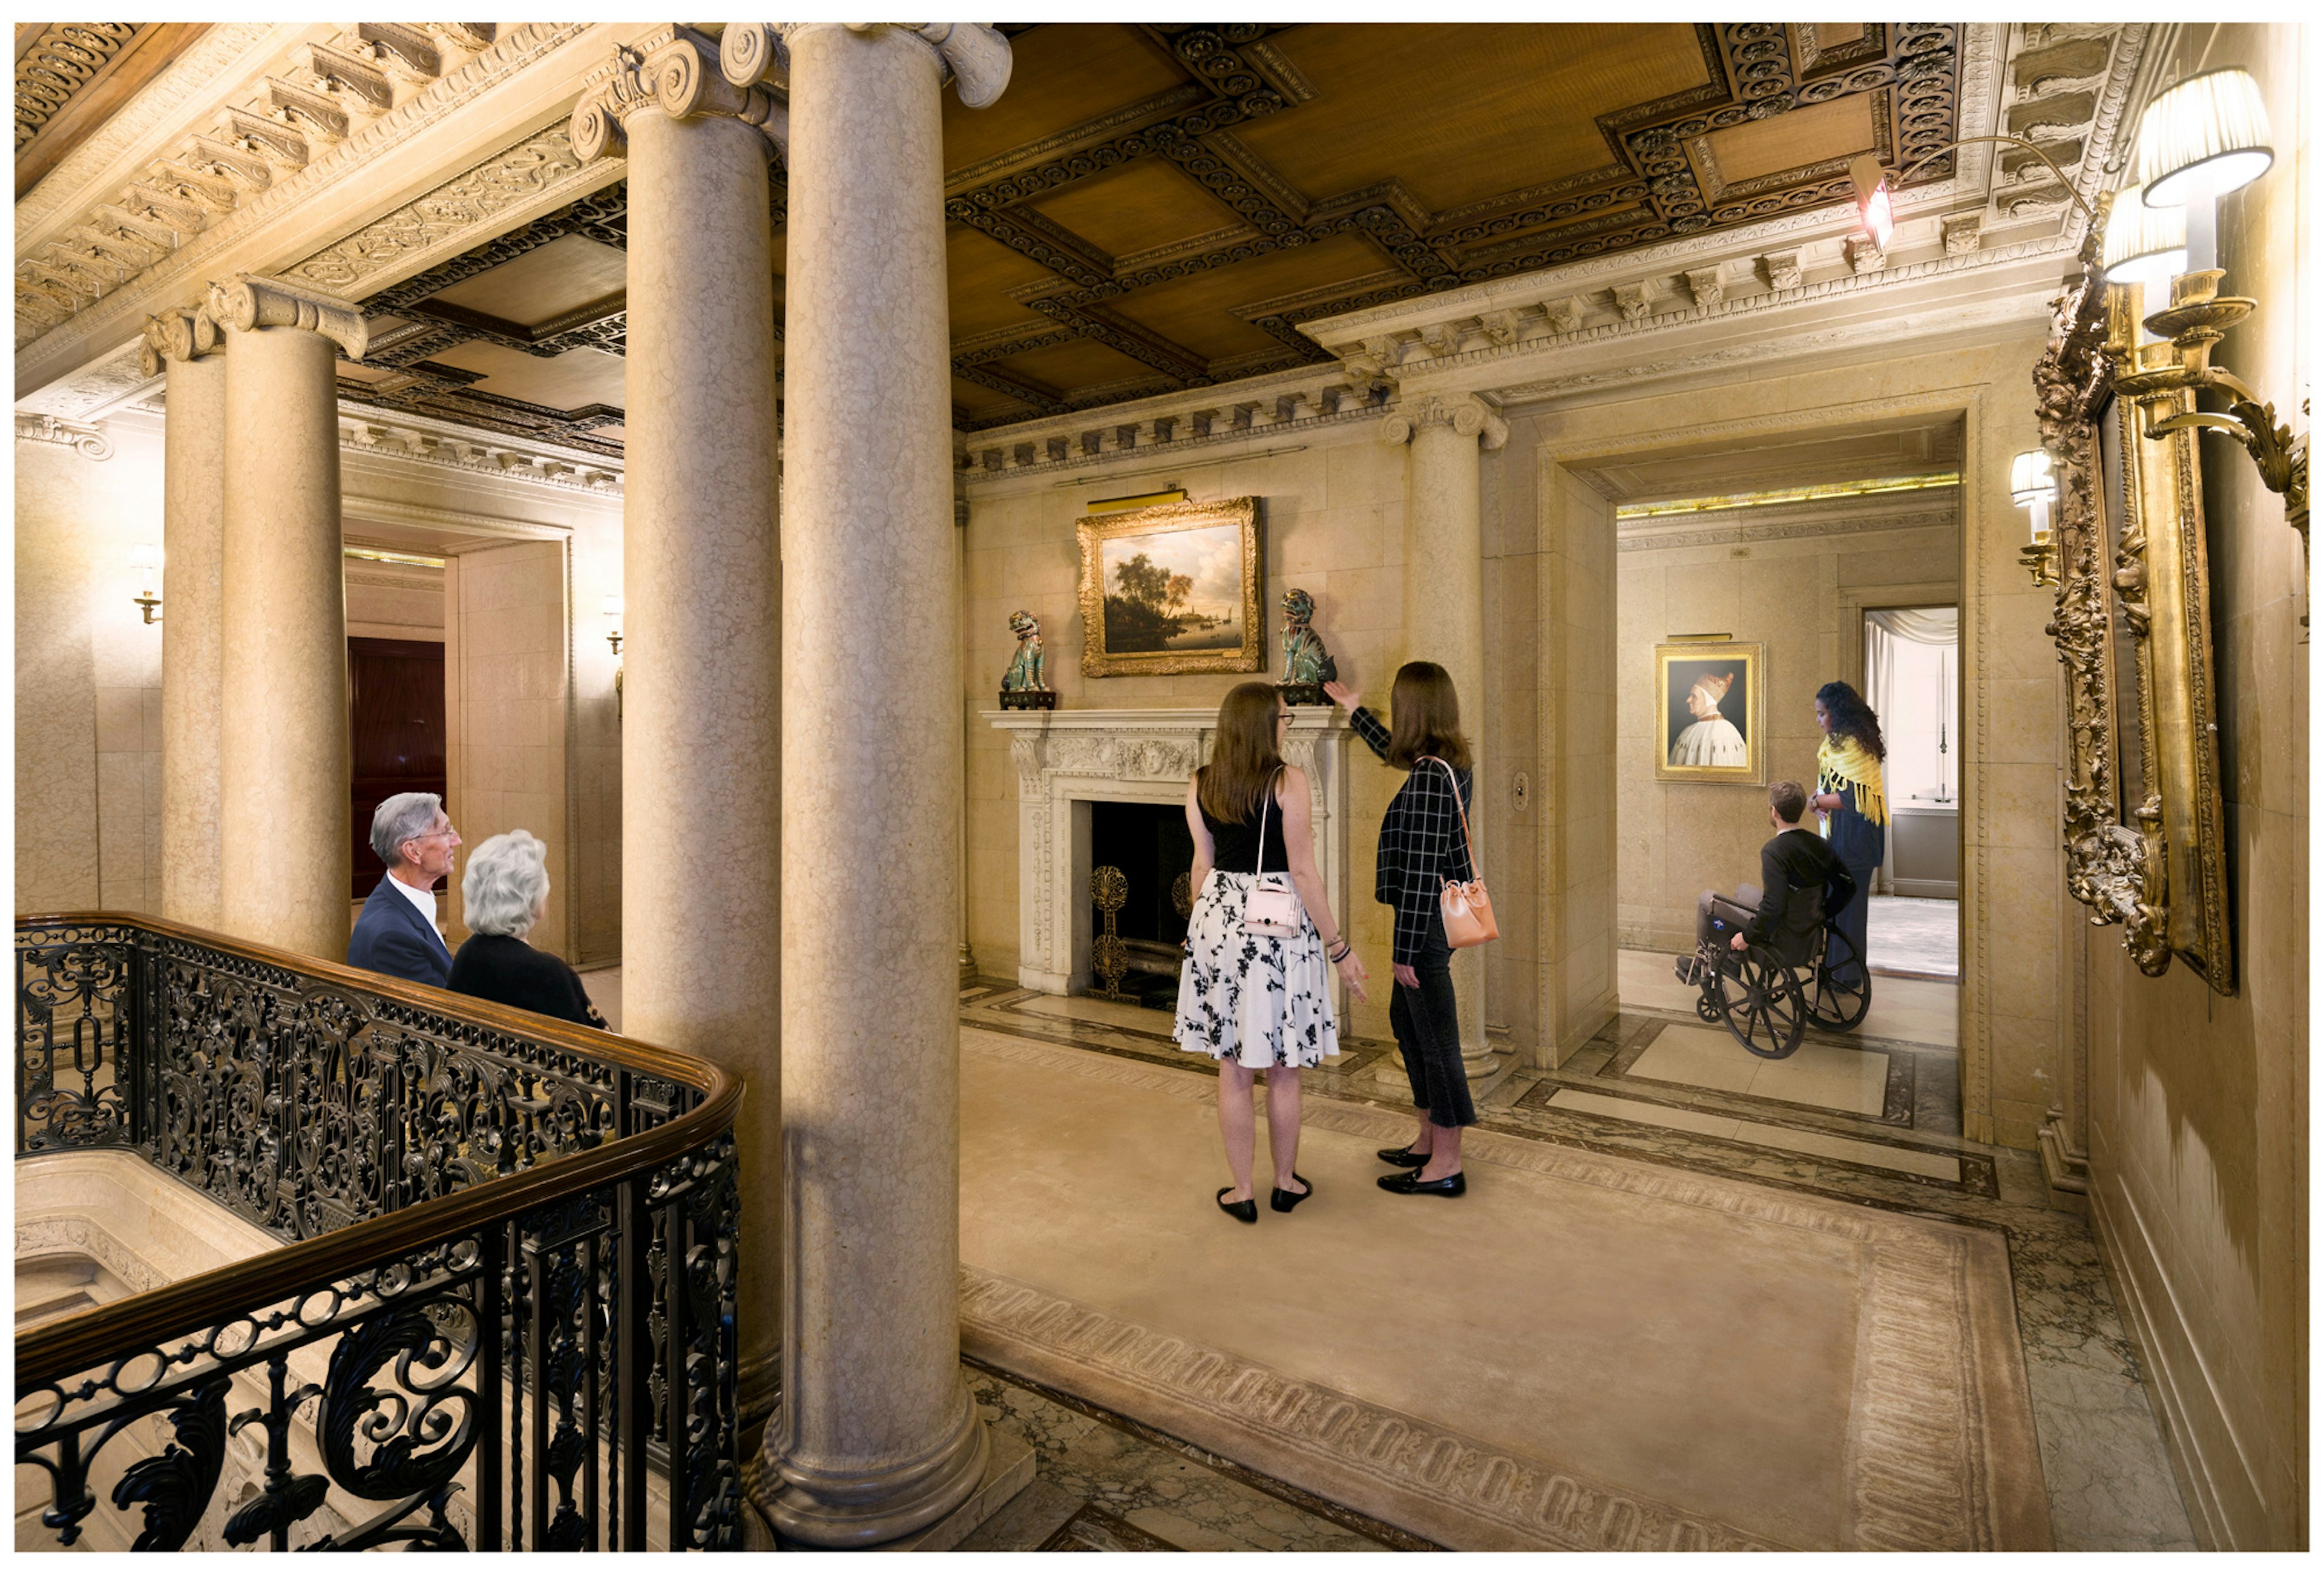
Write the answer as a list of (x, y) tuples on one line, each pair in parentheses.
[(247, 302), (681, 78), (1465, 414), (59, 63), (306, 162)]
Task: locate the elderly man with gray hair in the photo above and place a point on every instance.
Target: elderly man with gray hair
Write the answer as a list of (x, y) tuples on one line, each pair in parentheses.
[(503, 895), (396, 934)]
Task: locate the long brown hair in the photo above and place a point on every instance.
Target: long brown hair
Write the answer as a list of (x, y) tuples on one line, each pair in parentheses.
[(1243, 756), (1425, 718)]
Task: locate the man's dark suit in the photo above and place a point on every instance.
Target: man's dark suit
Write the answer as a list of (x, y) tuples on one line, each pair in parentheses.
[(393, 938)]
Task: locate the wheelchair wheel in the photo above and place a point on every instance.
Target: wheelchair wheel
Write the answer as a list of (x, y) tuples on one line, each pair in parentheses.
[(1765, 1007), (1834, 1005)]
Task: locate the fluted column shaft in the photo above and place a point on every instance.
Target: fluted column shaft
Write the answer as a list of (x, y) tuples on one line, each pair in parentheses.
[(283, 759), (876, 1436), (701, 576), (1444, 612), (193, 541)]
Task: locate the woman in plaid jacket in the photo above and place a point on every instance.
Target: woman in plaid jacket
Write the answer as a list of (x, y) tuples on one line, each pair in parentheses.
[(1422, 846)]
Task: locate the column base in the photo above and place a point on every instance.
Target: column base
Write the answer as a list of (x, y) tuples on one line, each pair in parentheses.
[(872, 1509), (2063, 1176)]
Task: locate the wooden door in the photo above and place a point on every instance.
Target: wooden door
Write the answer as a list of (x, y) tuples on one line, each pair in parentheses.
[(395, 696)]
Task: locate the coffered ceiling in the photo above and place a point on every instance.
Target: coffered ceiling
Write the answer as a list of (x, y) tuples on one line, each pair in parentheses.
[(1156, 208)]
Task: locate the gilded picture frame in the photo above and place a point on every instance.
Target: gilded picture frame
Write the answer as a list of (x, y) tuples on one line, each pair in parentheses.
[(1712, 696), (1173, 588), (2144, 816)]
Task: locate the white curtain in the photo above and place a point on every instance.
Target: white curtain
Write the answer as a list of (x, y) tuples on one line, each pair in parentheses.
[(1924, 625)]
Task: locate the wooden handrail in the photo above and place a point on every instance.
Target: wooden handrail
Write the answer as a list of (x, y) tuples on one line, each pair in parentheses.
[(57, 1351)]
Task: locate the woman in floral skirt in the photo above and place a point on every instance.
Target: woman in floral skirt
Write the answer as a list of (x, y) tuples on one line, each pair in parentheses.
[(1256, 1001)]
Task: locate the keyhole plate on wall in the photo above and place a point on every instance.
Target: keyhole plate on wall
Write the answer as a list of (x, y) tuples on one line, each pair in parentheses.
[(1521, 790)]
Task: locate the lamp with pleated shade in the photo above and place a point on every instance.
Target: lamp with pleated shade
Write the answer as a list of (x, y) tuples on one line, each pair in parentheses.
[(2142, 246), (2202, 139)]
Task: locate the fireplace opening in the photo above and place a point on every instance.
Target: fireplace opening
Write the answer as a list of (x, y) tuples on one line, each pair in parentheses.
[(1150, 843)]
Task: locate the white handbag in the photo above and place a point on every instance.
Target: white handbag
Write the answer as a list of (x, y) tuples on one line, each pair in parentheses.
[(1273, 907)]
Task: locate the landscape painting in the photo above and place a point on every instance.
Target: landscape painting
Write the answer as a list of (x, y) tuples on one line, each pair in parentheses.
[(1172, 589)]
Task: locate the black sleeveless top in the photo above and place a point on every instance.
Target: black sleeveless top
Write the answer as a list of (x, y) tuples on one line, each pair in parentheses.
[(1235, 844)]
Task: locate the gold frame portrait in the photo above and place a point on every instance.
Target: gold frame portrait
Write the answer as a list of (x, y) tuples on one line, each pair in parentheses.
[(2138, 580), (1752, 656), (1095, 531)]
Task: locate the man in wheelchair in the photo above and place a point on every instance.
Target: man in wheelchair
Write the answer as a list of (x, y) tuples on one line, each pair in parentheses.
[(1801, 879)]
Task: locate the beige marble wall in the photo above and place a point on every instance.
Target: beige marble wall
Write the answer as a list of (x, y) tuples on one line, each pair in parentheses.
[(1334, 524), (394, 600), (88, 676), (1795, 597), (507, 667), (2199, 1102)]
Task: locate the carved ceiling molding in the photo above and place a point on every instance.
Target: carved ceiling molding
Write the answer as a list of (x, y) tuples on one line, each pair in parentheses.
[(1641, 536), (147, 251), (221, 54), (59, 63), (1737, 250)]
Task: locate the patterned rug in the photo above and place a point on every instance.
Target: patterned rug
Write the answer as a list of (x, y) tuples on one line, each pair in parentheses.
[(1585, 1353)]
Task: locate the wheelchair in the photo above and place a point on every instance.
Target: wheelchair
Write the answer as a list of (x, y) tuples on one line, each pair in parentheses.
[(1767, 1005)]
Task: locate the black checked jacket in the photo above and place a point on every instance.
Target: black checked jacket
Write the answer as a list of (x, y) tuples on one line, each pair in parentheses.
[(1420, 842)]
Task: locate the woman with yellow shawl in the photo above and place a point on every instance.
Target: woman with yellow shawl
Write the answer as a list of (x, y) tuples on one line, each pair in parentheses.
[(1849, 791)]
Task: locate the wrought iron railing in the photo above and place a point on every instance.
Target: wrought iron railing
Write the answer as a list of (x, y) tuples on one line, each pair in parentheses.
[(505, 1315)]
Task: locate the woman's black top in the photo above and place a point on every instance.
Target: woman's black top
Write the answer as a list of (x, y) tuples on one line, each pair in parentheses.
[(1421, 844), (1861, 843), (1234, 843), (504, 969)]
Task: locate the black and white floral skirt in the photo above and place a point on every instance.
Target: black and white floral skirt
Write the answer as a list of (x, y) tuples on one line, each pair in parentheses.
[(1266, 1000)]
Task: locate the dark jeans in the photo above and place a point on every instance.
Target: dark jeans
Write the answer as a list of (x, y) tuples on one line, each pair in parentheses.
[(1853, 920), (1428, 1031)]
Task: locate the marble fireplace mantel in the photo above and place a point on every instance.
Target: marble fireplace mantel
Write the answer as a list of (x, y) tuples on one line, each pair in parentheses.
[(1066, 760)]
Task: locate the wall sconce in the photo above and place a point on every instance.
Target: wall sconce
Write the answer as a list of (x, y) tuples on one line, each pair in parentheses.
[(2034, 488), (2202, 139), (147, 562), (612, 608)]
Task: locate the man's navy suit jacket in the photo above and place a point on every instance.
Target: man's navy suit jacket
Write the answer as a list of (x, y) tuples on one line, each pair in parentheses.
[(392, 938)]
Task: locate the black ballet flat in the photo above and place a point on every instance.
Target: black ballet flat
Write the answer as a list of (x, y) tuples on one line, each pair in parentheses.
[(1404, 1156), (1410, 1184), (1246, 1210), (1284, 1202)]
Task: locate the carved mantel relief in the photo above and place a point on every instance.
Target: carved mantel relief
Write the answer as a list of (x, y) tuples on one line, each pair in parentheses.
[(1068, 758)]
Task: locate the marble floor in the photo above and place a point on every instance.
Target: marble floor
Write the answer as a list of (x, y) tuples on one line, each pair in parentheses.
[(1918, 935)]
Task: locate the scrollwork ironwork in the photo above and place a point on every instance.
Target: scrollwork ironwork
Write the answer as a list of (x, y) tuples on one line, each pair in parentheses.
[(313, 1104)]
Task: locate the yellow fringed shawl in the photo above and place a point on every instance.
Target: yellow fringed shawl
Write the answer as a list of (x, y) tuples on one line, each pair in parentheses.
[(1845, 761)]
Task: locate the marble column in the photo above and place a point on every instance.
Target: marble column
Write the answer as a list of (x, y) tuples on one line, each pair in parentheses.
[(701, 576), (186, 343), (1444, 612), (876, 1436), (284, 759)]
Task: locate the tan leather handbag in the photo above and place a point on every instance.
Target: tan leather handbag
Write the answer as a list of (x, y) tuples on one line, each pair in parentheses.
[(1468, 908), (1273, 906)]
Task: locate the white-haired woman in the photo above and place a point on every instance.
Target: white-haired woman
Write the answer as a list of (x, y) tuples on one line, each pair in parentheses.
[(504, 893)]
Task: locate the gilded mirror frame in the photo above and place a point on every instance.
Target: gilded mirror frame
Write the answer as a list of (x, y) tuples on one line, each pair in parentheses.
[(2156, 866)]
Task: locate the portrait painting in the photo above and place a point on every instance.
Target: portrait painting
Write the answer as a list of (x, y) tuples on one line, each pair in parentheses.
[(1174, 589), (1713, 715)]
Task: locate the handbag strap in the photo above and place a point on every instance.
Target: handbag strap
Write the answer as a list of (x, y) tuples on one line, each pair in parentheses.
[(1265, 799), (1467, 843)]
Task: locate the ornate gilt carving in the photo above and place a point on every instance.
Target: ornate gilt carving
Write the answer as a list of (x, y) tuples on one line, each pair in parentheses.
[(2114, 869)]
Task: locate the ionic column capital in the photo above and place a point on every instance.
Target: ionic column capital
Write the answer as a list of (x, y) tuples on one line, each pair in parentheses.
[(681, 78), (971, 54), (186, 333), (1465, 413), (247, 302)]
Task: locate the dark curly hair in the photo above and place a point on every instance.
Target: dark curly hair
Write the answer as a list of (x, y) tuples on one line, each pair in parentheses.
[(1851, 718)]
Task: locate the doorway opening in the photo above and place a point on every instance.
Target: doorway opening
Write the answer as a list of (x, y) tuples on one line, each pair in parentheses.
[(1912, 680), (396, 725)]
